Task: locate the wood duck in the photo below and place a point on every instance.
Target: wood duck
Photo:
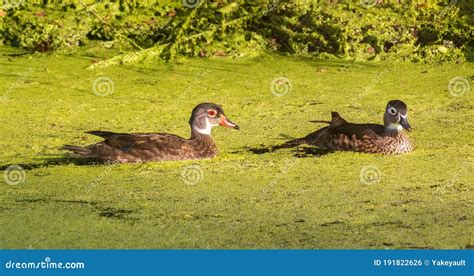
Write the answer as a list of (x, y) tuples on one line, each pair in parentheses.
[(145, 147), (341, 135)]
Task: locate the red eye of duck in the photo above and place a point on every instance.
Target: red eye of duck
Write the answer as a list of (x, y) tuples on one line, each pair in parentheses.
[(212, 112)]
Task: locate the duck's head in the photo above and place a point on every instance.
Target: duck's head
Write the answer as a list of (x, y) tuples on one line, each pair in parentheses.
[(205, 116), (396, 116)]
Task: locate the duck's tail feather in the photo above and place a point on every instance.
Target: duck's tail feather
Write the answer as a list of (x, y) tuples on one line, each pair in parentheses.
[(81, 151), (336, 119)]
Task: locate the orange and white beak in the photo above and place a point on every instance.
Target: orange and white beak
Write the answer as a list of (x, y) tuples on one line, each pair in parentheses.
[(227, 123)]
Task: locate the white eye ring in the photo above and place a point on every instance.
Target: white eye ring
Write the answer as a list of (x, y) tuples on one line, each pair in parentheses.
[(392, 111)]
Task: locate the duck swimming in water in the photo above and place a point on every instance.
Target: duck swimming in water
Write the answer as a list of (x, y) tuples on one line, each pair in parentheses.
[(146, 147), (340, 135)]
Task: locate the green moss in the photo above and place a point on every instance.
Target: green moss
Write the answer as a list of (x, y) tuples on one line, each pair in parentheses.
[(247, 198), (168, 31)]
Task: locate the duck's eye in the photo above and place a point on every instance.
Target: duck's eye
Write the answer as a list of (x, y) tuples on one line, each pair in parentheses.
[(392, 111), (212, 112)]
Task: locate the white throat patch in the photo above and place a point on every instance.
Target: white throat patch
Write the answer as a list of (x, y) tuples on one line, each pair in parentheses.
[(206, 130), (394, 127)]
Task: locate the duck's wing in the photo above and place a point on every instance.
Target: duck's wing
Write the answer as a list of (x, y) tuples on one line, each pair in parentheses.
[(348, 136), (357, 131), (342, 136), (133, 147), (136, 141), (338, 126)]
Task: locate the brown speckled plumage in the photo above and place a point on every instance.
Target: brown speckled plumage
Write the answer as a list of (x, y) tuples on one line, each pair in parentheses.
[(341, 135), (145, 147)]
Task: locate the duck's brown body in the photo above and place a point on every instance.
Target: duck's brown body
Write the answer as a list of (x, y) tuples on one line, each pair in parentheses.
[(146, 147), (341, 135)]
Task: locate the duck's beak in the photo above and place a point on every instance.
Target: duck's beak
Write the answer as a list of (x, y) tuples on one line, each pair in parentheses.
[(227, 123), (404, 123)]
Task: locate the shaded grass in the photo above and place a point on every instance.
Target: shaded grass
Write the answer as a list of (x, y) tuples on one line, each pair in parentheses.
[(249, 196)]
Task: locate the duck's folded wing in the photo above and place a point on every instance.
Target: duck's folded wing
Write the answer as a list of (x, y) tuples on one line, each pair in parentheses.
[(129, 141), (359, 131)]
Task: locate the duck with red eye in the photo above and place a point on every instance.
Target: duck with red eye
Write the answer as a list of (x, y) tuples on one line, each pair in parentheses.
[(145, 147), (203, 123)]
